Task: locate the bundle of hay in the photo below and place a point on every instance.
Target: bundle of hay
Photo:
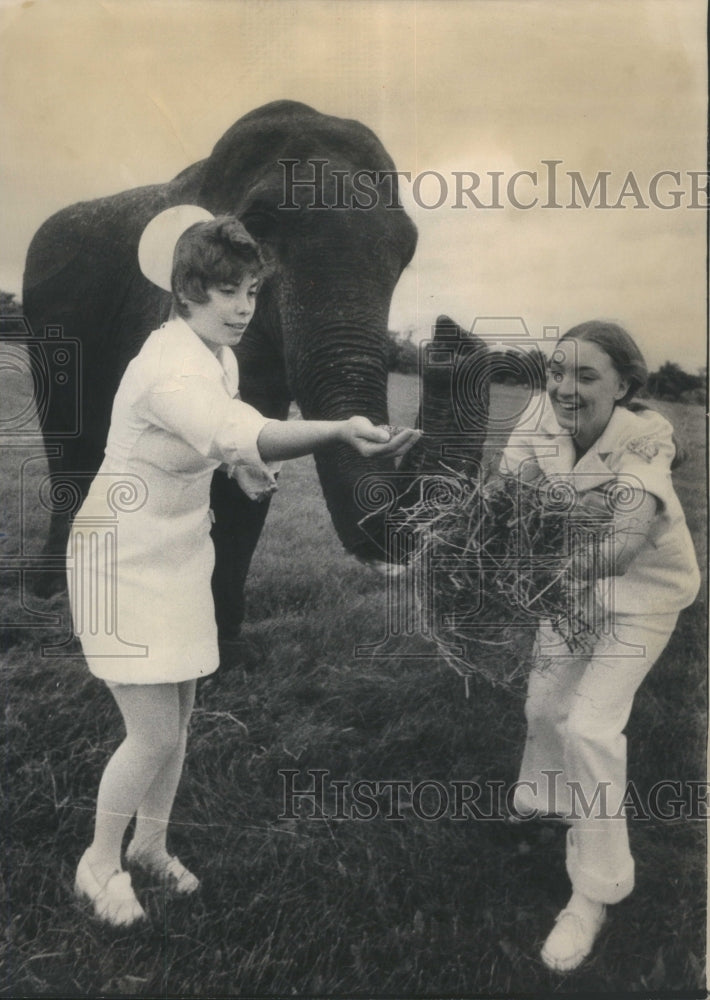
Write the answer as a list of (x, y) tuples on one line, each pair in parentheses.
[(497, 557)]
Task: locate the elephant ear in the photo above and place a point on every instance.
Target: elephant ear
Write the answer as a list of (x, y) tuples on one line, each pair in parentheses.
[(455, 398)]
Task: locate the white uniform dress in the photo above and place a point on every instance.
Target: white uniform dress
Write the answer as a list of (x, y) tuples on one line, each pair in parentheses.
[(574, 762), (140, 556)]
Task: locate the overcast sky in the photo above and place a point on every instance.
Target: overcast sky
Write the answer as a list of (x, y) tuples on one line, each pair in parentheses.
[(97, 97)]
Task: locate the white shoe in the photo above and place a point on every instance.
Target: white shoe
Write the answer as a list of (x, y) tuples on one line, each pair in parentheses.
[(172, 872), (114, 902), (572, 938)]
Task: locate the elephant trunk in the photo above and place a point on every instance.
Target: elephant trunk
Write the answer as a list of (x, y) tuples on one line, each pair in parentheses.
[(346, 374), (337, 380)]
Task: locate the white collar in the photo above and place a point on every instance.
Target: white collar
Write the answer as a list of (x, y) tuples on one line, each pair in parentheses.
[(223, 359), (592, 463), (230, 368), (621, 420)]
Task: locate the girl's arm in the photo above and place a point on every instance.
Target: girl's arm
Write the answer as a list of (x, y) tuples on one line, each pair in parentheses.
[(630, 531), (283, 439), (624, 537)]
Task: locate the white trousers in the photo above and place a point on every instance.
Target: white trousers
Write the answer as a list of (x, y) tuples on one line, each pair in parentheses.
[(574, 762)]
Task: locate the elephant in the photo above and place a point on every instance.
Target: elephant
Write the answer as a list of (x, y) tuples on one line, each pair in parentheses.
[(320, 195)]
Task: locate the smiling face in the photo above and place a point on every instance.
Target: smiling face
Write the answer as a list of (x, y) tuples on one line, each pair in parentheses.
[(583, 386), (223, 318)]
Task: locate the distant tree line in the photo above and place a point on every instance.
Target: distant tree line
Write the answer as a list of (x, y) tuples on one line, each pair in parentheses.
[(402, 352), (10, 313), (673, 383), (509, 367), (517, 367)]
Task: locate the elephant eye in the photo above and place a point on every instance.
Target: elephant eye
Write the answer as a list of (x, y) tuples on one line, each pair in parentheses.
[(258, 223)]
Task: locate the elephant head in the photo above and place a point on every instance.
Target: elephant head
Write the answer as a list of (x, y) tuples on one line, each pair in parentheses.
[(320, 194)]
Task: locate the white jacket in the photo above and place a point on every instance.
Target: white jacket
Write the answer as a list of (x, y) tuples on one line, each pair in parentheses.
[(637, 448)]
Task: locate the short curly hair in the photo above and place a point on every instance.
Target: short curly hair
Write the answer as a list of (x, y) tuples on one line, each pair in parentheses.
[(210, 253)]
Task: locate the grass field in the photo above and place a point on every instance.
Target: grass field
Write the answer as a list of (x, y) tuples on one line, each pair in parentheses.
[(322, 905)]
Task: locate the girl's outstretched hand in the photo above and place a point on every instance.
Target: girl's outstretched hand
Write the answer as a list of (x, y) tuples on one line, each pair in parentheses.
[(369, 440)]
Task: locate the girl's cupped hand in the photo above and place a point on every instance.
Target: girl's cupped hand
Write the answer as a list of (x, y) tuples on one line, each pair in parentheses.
[(369, 440)]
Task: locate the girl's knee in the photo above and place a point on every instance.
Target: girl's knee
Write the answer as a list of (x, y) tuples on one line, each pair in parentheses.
[(542, 711), (590, 727), (158, 745), (153, 719)]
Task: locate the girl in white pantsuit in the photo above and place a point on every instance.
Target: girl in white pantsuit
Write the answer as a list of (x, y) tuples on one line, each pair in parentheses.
[(140, 588), (574, 762)]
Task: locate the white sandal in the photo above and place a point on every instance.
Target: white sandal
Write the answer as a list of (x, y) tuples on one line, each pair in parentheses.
[(114, 902), (171, 871)]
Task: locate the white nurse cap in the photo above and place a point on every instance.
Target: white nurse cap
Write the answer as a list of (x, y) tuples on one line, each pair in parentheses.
[(157, 243)]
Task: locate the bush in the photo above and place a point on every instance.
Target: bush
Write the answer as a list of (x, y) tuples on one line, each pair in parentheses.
[(696, 395), (671, 382), (516, 367), (402, 353)]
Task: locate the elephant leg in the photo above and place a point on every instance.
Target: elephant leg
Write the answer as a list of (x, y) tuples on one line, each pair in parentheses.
[(51, 577), (235, 532)]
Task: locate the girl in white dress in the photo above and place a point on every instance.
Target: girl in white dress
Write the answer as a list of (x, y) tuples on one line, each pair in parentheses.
[(591, 434), (139, 572)]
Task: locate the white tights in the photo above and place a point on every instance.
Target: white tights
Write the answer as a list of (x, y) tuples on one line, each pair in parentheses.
[(142, 776)]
